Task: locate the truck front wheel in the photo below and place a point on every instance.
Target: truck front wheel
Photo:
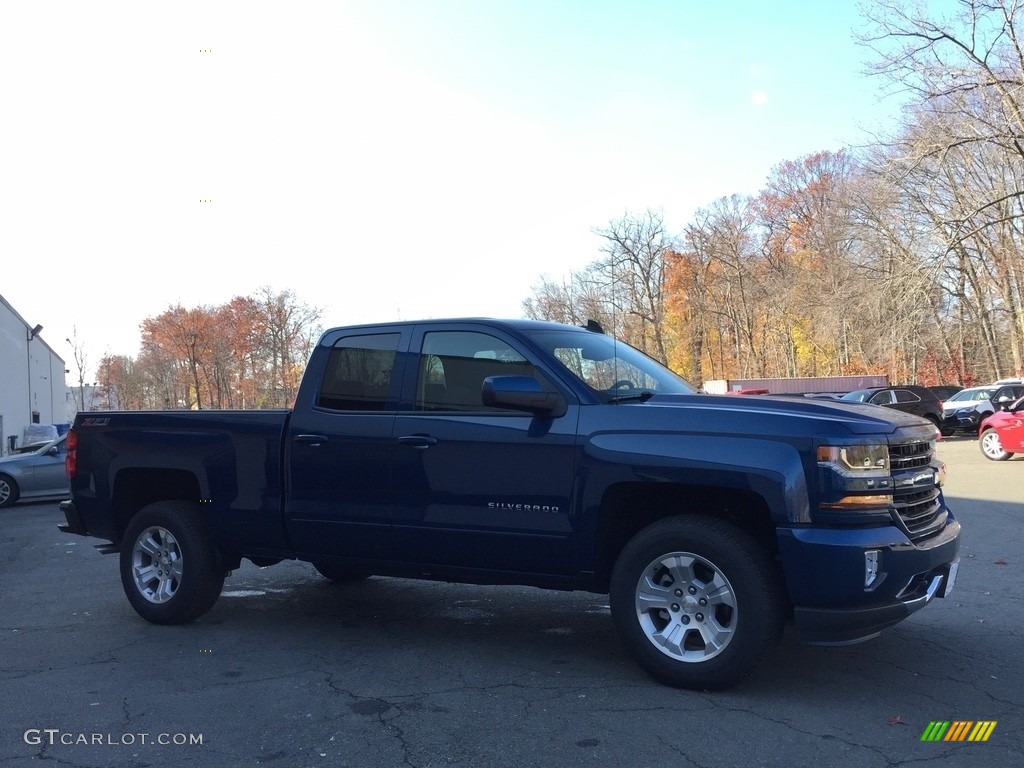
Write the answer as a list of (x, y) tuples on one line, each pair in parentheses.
[(170, 570), (697, 602)]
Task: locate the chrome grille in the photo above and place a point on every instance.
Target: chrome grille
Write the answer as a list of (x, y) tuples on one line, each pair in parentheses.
[(910, 455), (918, 511), (917, 508)]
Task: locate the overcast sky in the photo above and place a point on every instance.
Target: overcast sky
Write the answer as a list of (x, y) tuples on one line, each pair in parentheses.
[(384, 159)]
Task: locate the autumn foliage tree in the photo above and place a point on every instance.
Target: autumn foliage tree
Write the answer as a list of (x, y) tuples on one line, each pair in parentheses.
[(247, 353)]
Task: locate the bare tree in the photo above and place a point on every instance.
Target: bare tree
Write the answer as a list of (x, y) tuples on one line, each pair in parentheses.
[(575, 300), (965, 73), (288, 329), (727, 238), (81, 361), (905, 257), (634, 269)]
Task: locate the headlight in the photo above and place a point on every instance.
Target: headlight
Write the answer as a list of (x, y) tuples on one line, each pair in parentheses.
[(856, 477), (870, 460)]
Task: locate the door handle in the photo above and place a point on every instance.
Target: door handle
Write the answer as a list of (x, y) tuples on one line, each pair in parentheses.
[(417, 441), (311, 439)]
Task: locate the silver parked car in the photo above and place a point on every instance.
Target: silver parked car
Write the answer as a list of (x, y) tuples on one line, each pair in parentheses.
[(36, 475)]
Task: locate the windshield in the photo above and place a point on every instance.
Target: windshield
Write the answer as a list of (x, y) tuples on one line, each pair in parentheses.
[(858, 396), (610, 368), (970, 395)]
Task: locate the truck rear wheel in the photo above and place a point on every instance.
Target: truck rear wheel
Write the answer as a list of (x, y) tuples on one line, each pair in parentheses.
[(170, 570), (697, 602)]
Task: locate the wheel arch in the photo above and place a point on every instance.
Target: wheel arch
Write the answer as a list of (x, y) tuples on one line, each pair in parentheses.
[(136, 488), (629, 507)]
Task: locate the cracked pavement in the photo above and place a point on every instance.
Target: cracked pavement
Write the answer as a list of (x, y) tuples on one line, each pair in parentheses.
[(290, 670)]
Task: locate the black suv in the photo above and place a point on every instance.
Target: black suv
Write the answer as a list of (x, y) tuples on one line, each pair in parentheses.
[(920, 401)]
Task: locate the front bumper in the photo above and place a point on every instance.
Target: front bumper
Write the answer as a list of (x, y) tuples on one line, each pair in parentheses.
[(967, 421), (825, 574)]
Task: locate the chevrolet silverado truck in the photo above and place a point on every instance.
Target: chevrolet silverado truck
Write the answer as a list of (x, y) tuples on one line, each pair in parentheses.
[(533, 453)]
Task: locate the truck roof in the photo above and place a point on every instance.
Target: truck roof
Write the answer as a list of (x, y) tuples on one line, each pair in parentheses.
[(520, 323)]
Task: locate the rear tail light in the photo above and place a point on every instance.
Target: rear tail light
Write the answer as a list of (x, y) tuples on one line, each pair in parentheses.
[(71, 458)]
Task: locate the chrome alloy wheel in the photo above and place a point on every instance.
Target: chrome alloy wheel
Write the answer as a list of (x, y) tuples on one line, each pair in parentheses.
[(156, 564), (686, 607), (991, 446)]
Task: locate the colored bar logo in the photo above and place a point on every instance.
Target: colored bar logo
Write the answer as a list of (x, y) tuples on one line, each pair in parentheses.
[(958, 730)]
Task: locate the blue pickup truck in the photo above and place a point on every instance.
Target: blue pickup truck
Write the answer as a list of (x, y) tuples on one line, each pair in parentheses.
[(524, 452)]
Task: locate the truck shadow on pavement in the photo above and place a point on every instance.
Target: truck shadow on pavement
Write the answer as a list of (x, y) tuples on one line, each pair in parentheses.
[(433, 634)]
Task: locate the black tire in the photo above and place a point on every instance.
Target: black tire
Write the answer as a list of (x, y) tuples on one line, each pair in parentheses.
[(339, 574), (170, 570), (8, 491), (683, 581), (991, 448)]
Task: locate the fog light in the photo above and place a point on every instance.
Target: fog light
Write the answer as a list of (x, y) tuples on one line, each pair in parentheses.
[(871, 558)]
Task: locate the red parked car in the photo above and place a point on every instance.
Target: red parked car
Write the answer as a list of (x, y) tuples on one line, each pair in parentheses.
[(1002, 433)]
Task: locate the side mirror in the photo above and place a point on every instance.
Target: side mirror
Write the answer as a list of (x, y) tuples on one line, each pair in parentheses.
[(521, 393)]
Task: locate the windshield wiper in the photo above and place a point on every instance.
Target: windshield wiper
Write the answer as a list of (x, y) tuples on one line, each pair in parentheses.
[(641, 397)]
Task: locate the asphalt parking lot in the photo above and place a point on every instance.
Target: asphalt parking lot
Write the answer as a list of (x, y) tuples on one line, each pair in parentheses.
[(289, 670)]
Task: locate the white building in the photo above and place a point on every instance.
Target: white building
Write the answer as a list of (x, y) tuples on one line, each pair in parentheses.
[(32, 384)]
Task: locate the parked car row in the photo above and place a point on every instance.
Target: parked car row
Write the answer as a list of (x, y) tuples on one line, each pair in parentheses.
[(920, 401), (964, 411), (994, 412)]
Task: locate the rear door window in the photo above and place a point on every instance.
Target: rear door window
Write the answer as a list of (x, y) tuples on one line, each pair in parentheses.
[(358, 375)]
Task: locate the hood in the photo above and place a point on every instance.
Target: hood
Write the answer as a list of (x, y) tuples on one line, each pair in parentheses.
[(779, 415)]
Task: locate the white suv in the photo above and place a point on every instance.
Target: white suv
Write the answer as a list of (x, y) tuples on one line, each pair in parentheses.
[(963, 411)]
